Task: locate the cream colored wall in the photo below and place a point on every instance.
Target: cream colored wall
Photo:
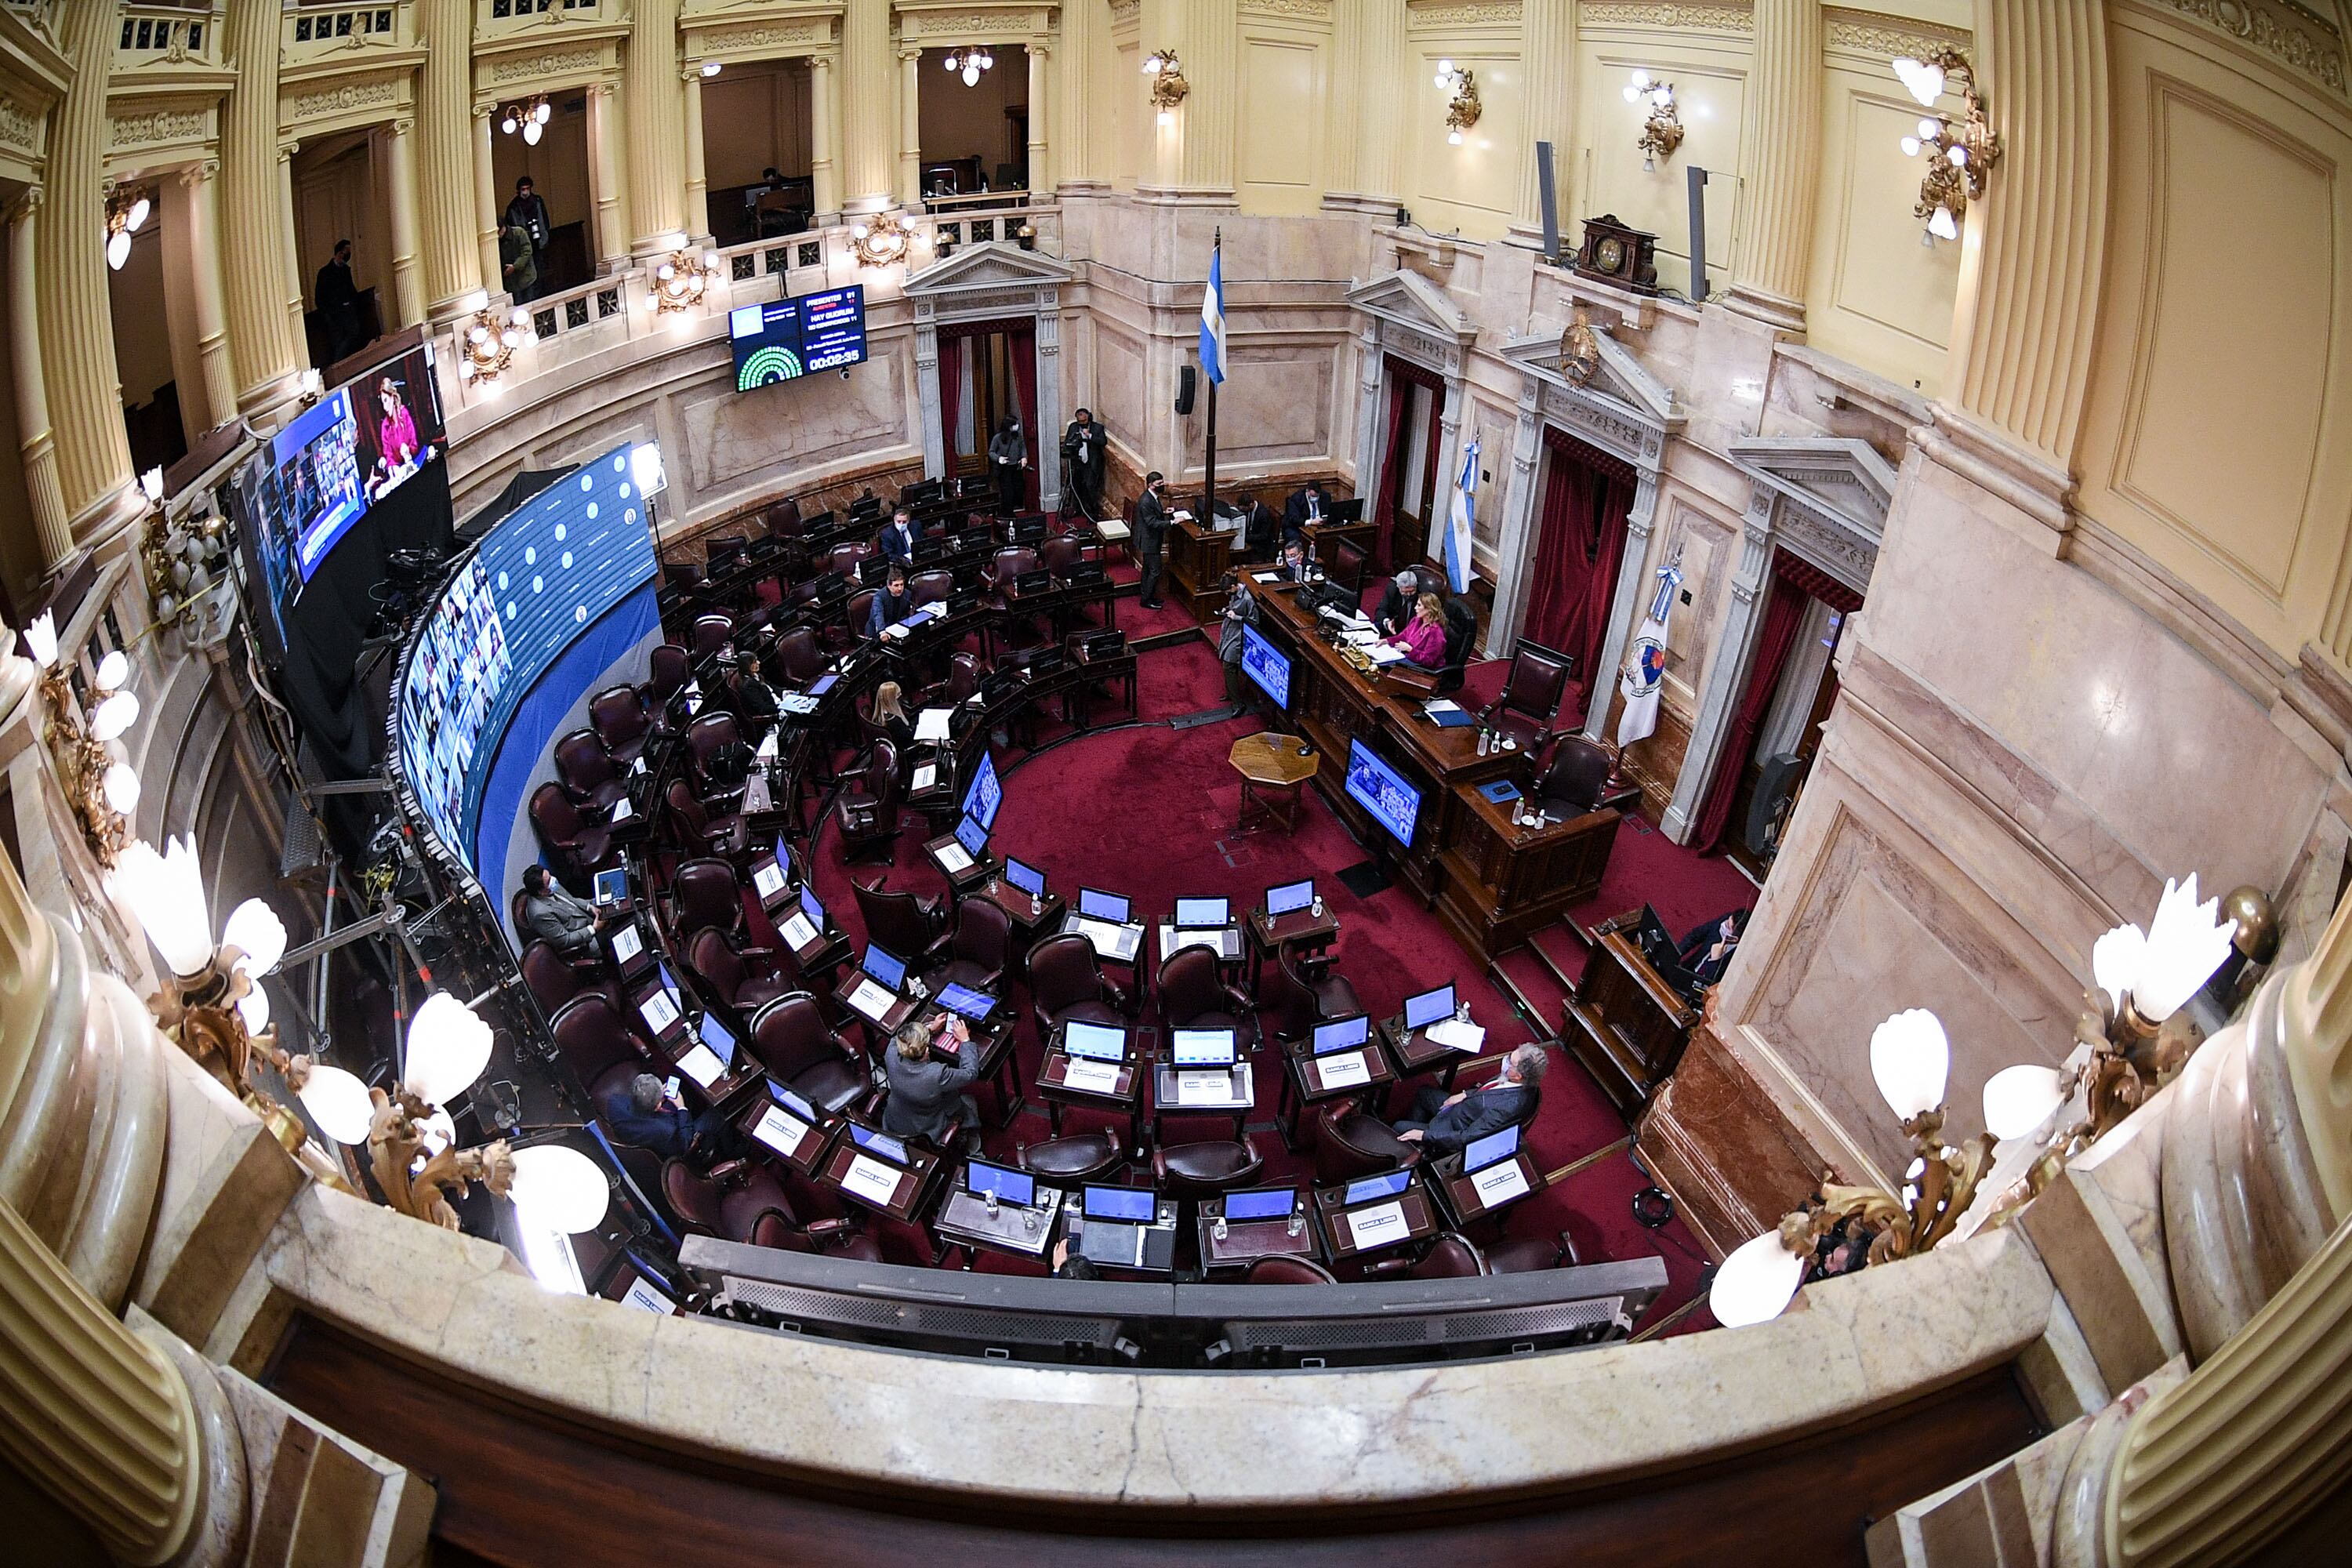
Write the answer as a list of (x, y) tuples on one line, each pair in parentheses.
[(1127, 117), (755, 116), (1285, 66), (1708, 69), (2218, 434), (960, 121), (1472, 188)]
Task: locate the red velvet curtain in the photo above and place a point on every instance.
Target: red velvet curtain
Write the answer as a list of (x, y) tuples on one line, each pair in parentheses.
[(950, 395), (1783, 611), (1385, 498), (1579, 546), (1021, 346)]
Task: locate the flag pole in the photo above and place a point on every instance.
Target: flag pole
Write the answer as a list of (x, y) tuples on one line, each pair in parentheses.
[(1209, 478)]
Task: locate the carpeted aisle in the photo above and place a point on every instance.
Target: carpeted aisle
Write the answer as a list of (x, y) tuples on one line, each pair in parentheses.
[(1149, 810)]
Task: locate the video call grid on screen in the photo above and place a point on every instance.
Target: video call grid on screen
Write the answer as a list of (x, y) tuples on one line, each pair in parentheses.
[(542, 574)]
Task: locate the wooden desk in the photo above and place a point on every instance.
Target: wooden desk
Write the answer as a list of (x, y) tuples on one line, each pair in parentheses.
[(1336, 1216), (1198, 556), (1504, 882), (1624, 1022), (1247, 1241), (905, 1202), (1458, 1194), (978, 871), (1305, 1082), (877, 1030), (1414, 1052), (998, 1065), (1304, 929), (1116, 671), (1272, 768), (1124, 1098), (1164, 1103), (806, 1152), (1029, 916)]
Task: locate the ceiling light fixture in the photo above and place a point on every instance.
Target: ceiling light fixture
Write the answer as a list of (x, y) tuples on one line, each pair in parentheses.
[(679, 281), (969, 63), (487, 344)]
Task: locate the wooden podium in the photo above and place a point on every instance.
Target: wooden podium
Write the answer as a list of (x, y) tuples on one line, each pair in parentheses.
[(1623, 1021)]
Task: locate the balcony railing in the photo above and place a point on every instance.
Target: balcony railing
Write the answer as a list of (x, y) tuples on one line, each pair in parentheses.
[(166, 35), (493, 18), (318, 31)]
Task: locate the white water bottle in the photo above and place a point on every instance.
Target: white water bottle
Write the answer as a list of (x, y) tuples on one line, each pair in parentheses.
[(1318, 906), (1483, 743)]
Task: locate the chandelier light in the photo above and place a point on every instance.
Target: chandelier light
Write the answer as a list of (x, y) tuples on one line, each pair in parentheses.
[(881, 240), (529, 118), (969, 63), (92, 763), (127, 209), (487, 343), (1958, 156), (1461, 106), (1662, 131)]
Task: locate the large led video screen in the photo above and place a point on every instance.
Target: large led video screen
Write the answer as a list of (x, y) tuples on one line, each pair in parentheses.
[(783, 339), (543, 577), (1380, 790)]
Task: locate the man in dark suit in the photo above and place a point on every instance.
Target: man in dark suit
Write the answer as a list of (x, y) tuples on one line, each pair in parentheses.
[(643, 1116), (1297, 562), (1442, 1123), (1083, 447), (564, 921), (1397, 600), (927, 1095), (1260, 528), (899, 537), (1151, 533), (1306, 505), (894, 604)]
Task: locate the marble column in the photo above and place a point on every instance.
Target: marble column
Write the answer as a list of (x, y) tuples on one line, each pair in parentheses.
[(868, 129), (2034, 250), (697, 181), (911, 126), (217, 401), (1784, 166), (1049, 399), (656, 124), (1726, 668), (1380, 126), (1370, 371), (1516, 541), (825, 135), (407, 272), (1340, 106), (1074, 163), (1548, 66), (286, 231), (486, 207), (444, 144), (268, 357), (927, 396), (70, 278), (1041, 102), (604, 145), (35, 446)]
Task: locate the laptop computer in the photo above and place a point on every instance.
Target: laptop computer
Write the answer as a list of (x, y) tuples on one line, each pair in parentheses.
[(1290, 898), (1095, 1042), (1429, 1007), (1120, 1229), (612, 887)]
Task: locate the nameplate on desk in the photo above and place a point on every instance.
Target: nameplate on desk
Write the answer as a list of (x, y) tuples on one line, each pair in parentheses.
[(871, 1180), (1377, 1226), (627, 943), (931, 723), (898, 631), (756, 795), (1095, 1078), (702, 1064), (780, 1131), (1204, 1089), (1343, 1070), (954, 858), (621, 810), (925, 776), (1456, 1035), (1500, 1184), (645, 1299), (872, 1000), (637, 767), (660, 1011), (769, 881), (798, 932)]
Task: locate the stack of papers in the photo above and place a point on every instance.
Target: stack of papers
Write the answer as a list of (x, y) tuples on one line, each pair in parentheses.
[(1457, 1035), (954, 858), (660, 1011), (1112, 529), (1382, 653), (931, 724), (1097, 1078), (899, 630), (766, 751), (1204, 1089), (795, 702), (756, 795), (621, 810)]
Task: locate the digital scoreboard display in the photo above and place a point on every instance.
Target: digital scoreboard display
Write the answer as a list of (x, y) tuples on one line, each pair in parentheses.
[(784, 339)]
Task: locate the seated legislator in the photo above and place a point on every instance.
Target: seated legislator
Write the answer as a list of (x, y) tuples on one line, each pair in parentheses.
[(1260, 528), (564, 922), (1423, 637), (1398, 601), (898, 541), (640, 1115), (889, 715), (1442, 1123), (1306, 505), (894, 604), (927, 1097), (1297, 561)]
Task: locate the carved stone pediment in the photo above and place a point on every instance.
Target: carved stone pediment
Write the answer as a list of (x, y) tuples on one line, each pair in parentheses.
[(1827, 497), (1417, 320), (995, 265), (1618, 377)]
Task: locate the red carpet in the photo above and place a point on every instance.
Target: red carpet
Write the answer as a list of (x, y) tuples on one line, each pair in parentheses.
[(1149, 811)]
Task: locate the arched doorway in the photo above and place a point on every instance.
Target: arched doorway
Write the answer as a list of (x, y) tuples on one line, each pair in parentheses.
[(988, 341)]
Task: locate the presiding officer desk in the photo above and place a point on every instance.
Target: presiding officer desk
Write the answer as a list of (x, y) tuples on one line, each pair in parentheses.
[(1490, 881)]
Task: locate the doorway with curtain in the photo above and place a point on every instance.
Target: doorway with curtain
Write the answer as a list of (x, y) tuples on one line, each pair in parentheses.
[(988, 373), (1586, 497), (1775, 730), (1405, 507)]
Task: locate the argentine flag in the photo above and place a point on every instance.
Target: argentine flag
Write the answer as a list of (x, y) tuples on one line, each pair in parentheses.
[(1213, 319), (1458, 519)]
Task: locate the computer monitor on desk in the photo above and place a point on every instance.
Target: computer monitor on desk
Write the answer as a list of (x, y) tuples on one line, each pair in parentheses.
[(1429, 1007), (1341, 1034), (1026, 877), (1261, 1202), (1195, 913), (884, 965), (1096, 904), (1016, 1187), (879, 1144), (1491, 1149), (1371, 1189), (1095, 1042), (1201, 1048), (1289, 898)]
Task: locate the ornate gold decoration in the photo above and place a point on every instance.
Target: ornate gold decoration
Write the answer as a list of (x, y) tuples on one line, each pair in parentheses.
[(1662, 131), (1580, 349), (1958, 156), (200, 1014), (1463, 109), (1168, 84), (396, 1138), (679, 281), (881, 239), (487, 344)]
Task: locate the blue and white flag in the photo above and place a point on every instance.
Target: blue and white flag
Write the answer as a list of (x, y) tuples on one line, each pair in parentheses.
[(1459, 519), (1213, 319), (1645, 663)]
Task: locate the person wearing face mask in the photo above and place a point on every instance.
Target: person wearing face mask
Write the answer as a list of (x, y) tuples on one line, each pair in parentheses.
[(1082, 447), (1009, 457), (1151, 520)]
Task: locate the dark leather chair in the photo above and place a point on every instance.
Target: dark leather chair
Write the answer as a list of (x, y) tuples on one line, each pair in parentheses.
[(797, 657), (784, 519), (618, 715), (710, 634), (834, 1237), (595, 1041), (961, 682), (727, 1202), (1194, 994), (1067, 982), (1074, 1160), (843, 558), (745, 979), (1346, 565), (978, 949), (1288, 1271), (1576, 778), (1531, 1253), (553, 980), (1447, 1257), (930, 587), (1204, 1170), (1062, 554), (585, 770), (867, 806), (899, 921), (792, 1041), (1530, 702), (1011, 561), (704, 737), (706, 893), (572, 843), (1305, 993), (696, 828), (1351, 1142), (1461, 637), (669, 667), (854, 617)]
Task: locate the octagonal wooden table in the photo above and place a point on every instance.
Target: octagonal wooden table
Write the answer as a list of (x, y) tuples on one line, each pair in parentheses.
[(1273, 767)]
